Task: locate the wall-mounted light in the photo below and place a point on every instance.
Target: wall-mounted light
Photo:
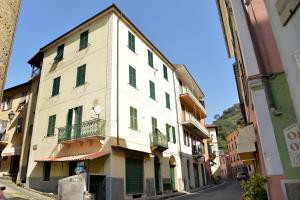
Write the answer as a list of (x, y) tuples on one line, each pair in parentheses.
[(11, 115)]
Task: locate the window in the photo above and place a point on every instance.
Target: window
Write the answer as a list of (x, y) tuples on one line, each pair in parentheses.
[(188, 140), (152, 90), (150, 58), (59, 53), (19, 126), (131, 41), (51, 125), (168, 100), (7, 103), (133, 118), (47, 170), (165, 72), (154, 125), (55, 86), (184, 138), (84, 38), (80, 80), (168, 131), (174, 134), (132, 77)]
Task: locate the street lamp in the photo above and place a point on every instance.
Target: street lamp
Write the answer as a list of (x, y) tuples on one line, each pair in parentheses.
[(11, 115)]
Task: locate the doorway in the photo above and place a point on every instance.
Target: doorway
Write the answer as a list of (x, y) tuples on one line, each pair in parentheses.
[(203, 175), (97, 186), (196, 175), (14, 165), (157, 174)]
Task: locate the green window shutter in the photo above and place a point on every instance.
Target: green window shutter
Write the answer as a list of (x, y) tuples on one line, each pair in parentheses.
[(168, 100), (168, 132), (133, 118), (134, 176), (59, 53), (84, 38), (80, 79), (51, 125), (152, 90), (150, 58), (174, 134), (165, 72), (132, 76), (55, 86), (154, 125), (47, 171), (131, 41)]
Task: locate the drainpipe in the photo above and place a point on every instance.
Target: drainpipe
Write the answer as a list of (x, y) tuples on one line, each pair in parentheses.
[(118, 142)]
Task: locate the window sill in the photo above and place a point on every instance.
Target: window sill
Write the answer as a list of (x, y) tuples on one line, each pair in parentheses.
[(54, 95), (49, 136), (152, 99), (78, 86), (132, 86), (133, 51), (133, 129)]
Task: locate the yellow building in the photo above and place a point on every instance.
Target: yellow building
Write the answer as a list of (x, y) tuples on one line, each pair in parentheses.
[(107, 105), (16, 123)]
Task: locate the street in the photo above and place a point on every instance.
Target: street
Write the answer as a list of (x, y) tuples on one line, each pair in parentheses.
[(225, 191), (13, 192)]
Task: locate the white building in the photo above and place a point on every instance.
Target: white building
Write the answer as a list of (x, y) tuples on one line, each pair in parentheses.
[(108, 103)]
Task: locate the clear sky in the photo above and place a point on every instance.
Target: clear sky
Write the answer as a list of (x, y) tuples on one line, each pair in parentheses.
[(186, 32)]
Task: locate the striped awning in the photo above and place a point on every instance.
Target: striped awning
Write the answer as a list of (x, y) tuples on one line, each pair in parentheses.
[(83, 157)]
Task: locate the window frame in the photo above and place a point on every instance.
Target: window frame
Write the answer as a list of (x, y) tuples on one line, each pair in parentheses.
[(80, 76), (51, 125), (167, 98), (59, 53), (131, 41), (150, 59), (152, 90), (132, 77), (84, 40), (165, 72), (133, 118), (55, 86)]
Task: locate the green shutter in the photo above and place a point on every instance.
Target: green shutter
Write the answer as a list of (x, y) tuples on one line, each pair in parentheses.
[(51, 125), (84, 37), (134, 176), (132, 76), (56, 85), (152, 90), (168, 132), (150, 58), (78, 121), (133, 118), (165, 72), (168, 100), (131, 41), (59, 53), (174, 134), (154, 125), (69, 124), (80, 79)]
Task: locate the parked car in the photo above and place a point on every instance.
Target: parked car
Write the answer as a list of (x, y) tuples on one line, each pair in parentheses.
[(242, 176), (1, 192)]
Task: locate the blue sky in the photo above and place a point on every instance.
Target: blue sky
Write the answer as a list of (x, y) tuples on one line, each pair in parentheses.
[(186, 32)]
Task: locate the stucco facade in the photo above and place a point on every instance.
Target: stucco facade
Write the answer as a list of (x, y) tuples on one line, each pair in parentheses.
[(133, 98)]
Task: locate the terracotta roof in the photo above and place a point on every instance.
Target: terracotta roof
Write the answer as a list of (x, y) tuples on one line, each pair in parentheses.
[(90, 156)]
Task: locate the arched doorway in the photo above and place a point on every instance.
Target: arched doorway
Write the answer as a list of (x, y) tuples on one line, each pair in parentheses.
[(157, 174), (172, 163)]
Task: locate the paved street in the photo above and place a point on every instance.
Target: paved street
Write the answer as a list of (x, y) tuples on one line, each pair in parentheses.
[(226, 191), (13, 192)]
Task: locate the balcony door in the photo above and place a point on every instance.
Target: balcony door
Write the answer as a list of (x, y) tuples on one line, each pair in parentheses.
[(74, 120), (196, 175)]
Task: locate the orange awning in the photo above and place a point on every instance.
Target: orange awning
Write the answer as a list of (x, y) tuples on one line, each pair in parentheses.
[(83, 157)]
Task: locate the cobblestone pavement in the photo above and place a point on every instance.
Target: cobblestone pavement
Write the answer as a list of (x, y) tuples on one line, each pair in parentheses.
[(13, 192), (226, 191)]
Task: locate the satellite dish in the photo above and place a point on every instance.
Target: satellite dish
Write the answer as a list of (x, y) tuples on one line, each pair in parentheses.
[(97, 110)]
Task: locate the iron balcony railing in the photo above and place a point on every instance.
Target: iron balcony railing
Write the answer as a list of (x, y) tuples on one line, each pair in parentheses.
[(159, 140), (95, 127)]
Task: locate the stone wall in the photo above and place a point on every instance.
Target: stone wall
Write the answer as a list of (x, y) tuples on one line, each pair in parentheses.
[(9, 10)]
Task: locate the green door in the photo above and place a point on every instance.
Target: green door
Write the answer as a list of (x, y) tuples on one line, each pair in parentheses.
[(134, 176), (157, 174), (172, 176), (78, 120)]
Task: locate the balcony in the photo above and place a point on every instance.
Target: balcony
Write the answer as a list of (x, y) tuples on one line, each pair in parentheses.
[(158, 141), (197, 151), (193, 124), (88, 130), (190, 101)]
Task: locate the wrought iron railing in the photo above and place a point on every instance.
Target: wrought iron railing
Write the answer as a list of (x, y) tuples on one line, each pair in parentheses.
[(95, 127), (159, 140)]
